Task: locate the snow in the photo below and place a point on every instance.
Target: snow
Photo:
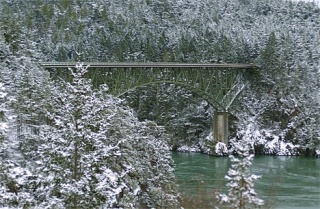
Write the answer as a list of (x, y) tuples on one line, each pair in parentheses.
[(317, 153), (240, 181), (278, 147), (221, 149), (272, 144), (3, 126), (137, 191), (192, 148), (107, 130), (224, 198), (315, 1)]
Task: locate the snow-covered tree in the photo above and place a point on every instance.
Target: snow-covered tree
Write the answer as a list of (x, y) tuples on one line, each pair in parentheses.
[(11, 172), (92, 153), (3, 111), (286, 49), (241, 193)]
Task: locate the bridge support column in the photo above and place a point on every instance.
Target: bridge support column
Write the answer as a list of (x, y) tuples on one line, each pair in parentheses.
[(220, 127)]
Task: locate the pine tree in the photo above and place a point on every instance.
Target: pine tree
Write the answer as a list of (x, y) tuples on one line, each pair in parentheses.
[(240, 184), (92, 153), (2, 112), (12, 175)]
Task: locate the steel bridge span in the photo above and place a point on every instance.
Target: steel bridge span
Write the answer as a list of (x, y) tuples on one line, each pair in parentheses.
[(218, 84)]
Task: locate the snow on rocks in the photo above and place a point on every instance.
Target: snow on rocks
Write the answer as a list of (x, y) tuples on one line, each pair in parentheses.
[(221, 149), (192, 148), (266, 142), (278, 147), (263, 142)]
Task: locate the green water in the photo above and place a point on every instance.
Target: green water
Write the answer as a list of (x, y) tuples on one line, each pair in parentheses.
[(285, 183)]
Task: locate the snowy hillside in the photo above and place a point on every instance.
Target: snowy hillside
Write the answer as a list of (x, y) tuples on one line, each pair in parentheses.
[(66, 142), (280, 37)]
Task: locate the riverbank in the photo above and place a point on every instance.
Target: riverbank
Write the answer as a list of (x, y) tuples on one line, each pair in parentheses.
[(263, 144)]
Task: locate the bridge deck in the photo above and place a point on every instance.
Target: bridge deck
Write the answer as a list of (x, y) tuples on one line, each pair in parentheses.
[(218, 84), (145, 65)]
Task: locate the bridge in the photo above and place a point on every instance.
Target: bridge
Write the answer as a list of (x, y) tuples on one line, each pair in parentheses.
[(218, 84)]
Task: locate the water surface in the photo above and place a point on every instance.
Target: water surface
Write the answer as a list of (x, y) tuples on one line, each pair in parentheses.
[(286, 182)]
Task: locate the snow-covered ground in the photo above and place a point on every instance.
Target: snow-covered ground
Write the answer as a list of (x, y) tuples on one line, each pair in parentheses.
[(269, 144)]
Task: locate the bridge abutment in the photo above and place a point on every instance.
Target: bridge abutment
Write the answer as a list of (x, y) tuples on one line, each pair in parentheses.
[(220, 127)]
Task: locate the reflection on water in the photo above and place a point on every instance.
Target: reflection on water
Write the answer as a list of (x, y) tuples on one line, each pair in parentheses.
[(286, 182)]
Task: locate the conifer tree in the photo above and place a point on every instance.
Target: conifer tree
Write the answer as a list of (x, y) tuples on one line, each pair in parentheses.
[(92, 153), (241, 193)]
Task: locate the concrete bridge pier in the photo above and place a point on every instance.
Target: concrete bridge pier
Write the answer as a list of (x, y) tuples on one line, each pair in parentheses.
[(220, 127)]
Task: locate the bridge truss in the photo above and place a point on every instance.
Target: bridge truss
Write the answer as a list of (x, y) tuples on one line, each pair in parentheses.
[(218, 84)]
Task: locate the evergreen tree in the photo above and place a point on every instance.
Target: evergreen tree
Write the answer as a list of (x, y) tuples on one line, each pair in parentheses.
[(2, 112), (286, 46), (93, 153), (240, 184)]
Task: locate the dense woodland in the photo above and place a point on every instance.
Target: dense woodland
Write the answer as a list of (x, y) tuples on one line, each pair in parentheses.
[(280, 105)]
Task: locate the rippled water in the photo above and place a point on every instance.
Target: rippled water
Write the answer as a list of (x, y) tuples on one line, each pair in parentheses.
[(286, 182)]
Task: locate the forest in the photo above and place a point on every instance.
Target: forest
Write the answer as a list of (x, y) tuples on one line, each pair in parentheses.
[(51, 126)]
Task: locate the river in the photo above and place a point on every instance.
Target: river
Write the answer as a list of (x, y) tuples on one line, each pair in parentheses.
[(285, 183)]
